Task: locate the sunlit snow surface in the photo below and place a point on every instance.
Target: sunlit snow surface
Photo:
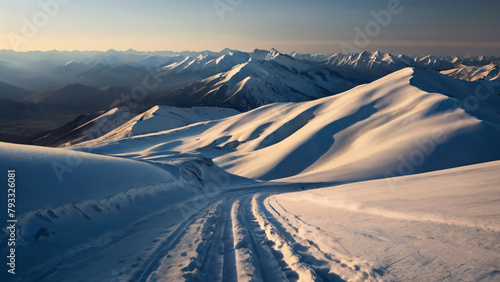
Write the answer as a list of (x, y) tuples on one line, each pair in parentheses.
[(435, 226)]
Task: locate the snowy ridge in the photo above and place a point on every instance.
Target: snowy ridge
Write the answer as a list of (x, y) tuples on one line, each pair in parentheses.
[(160, 118), (368, 132), (95, 128)]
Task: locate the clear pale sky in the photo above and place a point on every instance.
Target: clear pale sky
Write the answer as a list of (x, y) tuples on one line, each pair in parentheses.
[(442, 27)]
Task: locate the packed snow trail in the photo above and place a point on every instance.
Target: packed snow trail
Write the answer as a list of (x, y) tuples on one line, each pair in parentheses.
[(241, 237)]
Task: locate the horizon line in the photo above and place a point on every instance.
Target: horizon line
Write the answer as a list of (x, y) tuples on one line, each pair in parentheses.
[(207, 50)]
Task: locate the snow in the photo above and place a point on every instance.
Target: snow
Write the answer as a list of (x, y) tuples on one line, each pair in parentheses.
[(204, 194), (42, 161), (160, 118), (292, 259), (428, 227), (80, 200), (100, 126)]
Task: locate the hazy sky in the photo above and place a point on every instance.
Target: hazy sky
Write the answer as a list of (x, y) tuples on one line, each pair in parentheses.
[(420, 27)]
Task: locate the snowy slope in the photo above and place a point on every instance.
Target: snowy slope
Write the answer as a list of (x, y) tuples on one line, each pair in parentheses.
[(408, 122), (435, 226), (489, 72), (72, 202), (161, 118), (90, 130)]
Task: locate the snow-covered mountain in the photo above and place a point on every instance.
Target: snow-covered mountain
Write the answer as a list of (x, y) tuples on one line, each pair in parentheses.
[(265, 77), (410, 121), (378, 64), (311, 57), (374, 64), (489, 72), (37, 70), (208, 62)]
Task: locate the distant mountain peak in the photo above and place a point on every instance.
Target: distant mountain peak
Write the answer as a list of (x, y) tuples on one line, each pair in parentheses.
[(265, 55), (364, 53), (226, 51), (111, 51), (272, 50)]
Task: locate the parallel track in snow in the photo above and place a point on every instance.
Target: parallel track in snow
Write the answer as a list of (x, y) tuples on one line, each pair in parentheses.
[(246, 238)]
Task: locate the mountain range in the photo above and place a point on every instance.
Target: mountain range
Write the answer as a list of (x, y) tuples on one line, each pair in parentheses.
[(58, 87)]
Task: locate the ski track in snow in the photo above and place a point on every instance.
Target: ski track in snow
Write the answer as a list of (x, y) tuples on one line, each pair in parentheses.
[(246, 237)]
